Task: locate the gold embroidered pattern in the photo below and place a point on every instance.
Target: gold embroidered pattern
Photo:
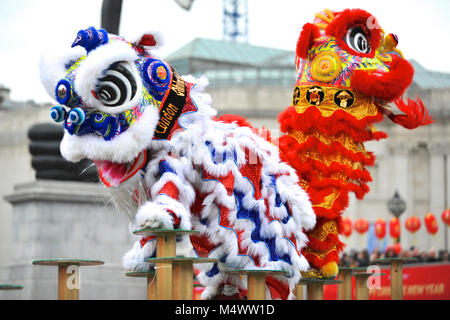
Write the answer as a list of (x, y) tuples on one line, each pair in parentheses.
[(322, 233), (345, 140), (327, 160), (320, 254), (328, 201), (363, 106)]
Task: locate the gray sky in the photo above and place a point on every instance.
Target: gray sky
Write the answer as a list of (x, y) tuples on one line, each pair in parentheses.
[(29, 27)]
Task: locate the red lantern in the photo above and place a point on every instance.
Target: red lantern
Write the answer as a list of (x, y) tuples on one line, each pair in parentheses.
[(446, 217), (412, 224), (346, 226), (380, 228), (431, 223), (361, 226), (394, 228)]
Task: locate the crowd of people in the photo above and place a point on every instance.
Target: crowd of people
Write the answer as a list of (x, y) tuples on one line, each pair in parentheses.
[(364, 259)]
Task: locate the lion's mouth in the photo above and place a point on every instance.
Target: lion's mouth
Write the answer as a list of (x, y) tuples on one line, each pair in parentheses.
[(113, 174)]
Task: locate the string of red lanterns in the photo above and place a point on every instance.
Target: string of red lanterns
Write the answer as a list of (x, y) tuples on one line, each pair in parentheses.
[(412, 224)]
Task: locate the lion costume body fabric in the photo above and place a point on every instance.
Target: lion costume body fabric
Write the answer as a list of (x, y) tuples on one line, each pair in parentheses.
[(171, 164), (347, 73)]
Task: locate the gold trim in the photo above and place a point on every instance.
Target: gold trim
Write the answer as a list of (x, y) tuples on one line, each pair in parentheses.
[(320, 254), (362, 107), (324, 230), (345, 140)]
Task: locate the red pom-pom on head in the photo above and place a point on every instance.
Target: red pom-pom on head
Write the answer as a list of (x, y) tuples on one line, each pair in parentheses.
[(147, 40), (306, 40)]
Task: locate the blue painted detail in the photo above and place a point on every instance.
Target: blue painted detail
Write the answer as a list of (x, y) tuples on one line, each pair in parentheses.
[(165, 167), (253, 216), (273, 183), (218, 222), (222, 158), (204, 221), (108, 126), (214, 270), (58, 114)]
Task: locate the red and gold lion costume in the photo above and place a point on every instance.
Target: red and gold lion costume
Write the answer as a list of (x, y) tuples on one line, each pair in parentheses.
[(348, 70)]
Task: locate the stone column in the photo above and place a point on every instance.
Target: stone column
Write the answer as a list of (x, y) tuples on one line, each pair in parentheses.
[(401, 180), (56, 219), (447, 196), (437, 190)]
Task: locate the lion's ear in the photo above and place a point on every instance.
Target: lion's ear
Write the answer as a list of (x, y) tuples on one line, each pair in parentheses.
[(148, 39)]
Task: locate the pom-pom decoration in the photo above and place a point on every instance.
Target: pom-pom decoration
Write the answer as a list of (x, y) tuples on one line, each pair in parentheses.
[(58, 114), (77, 116), (90, 38), (157, 75), (63, 91), (380, 228), (431, 223)]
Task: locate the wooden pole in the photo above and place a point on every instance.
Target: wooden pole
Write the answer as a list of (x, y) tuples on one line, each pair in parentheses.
[(165, 247), (299, 292), (345, 290), (397, 280), (182, 280), (314, 291), (361, 288), (66, 290), (256, 286), (151, 287)]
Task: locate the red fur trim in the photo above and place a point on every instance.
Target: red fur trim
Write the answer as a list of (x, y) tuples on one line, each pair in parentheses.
[(330, 241), (336, 147), (306, 39), (170, 189), (415, 114), (278, 289), (386, 86), (230, 118), (350, 18), (176, 219), (144, 240), (339, 121)]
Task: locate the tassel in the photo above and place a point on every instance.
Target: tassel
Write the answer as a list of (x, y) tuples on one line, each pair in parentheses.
[(415, 114)]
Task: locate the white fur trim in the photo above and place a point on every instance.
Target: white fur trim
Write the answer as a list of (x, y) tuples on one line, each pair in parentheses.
[(153, 215), (52, 66), (123, 148)]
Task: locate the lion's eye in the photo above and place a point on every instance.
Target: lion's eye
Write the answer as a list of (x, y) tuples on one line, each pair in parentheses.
[(356, 39), (117, 87)]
